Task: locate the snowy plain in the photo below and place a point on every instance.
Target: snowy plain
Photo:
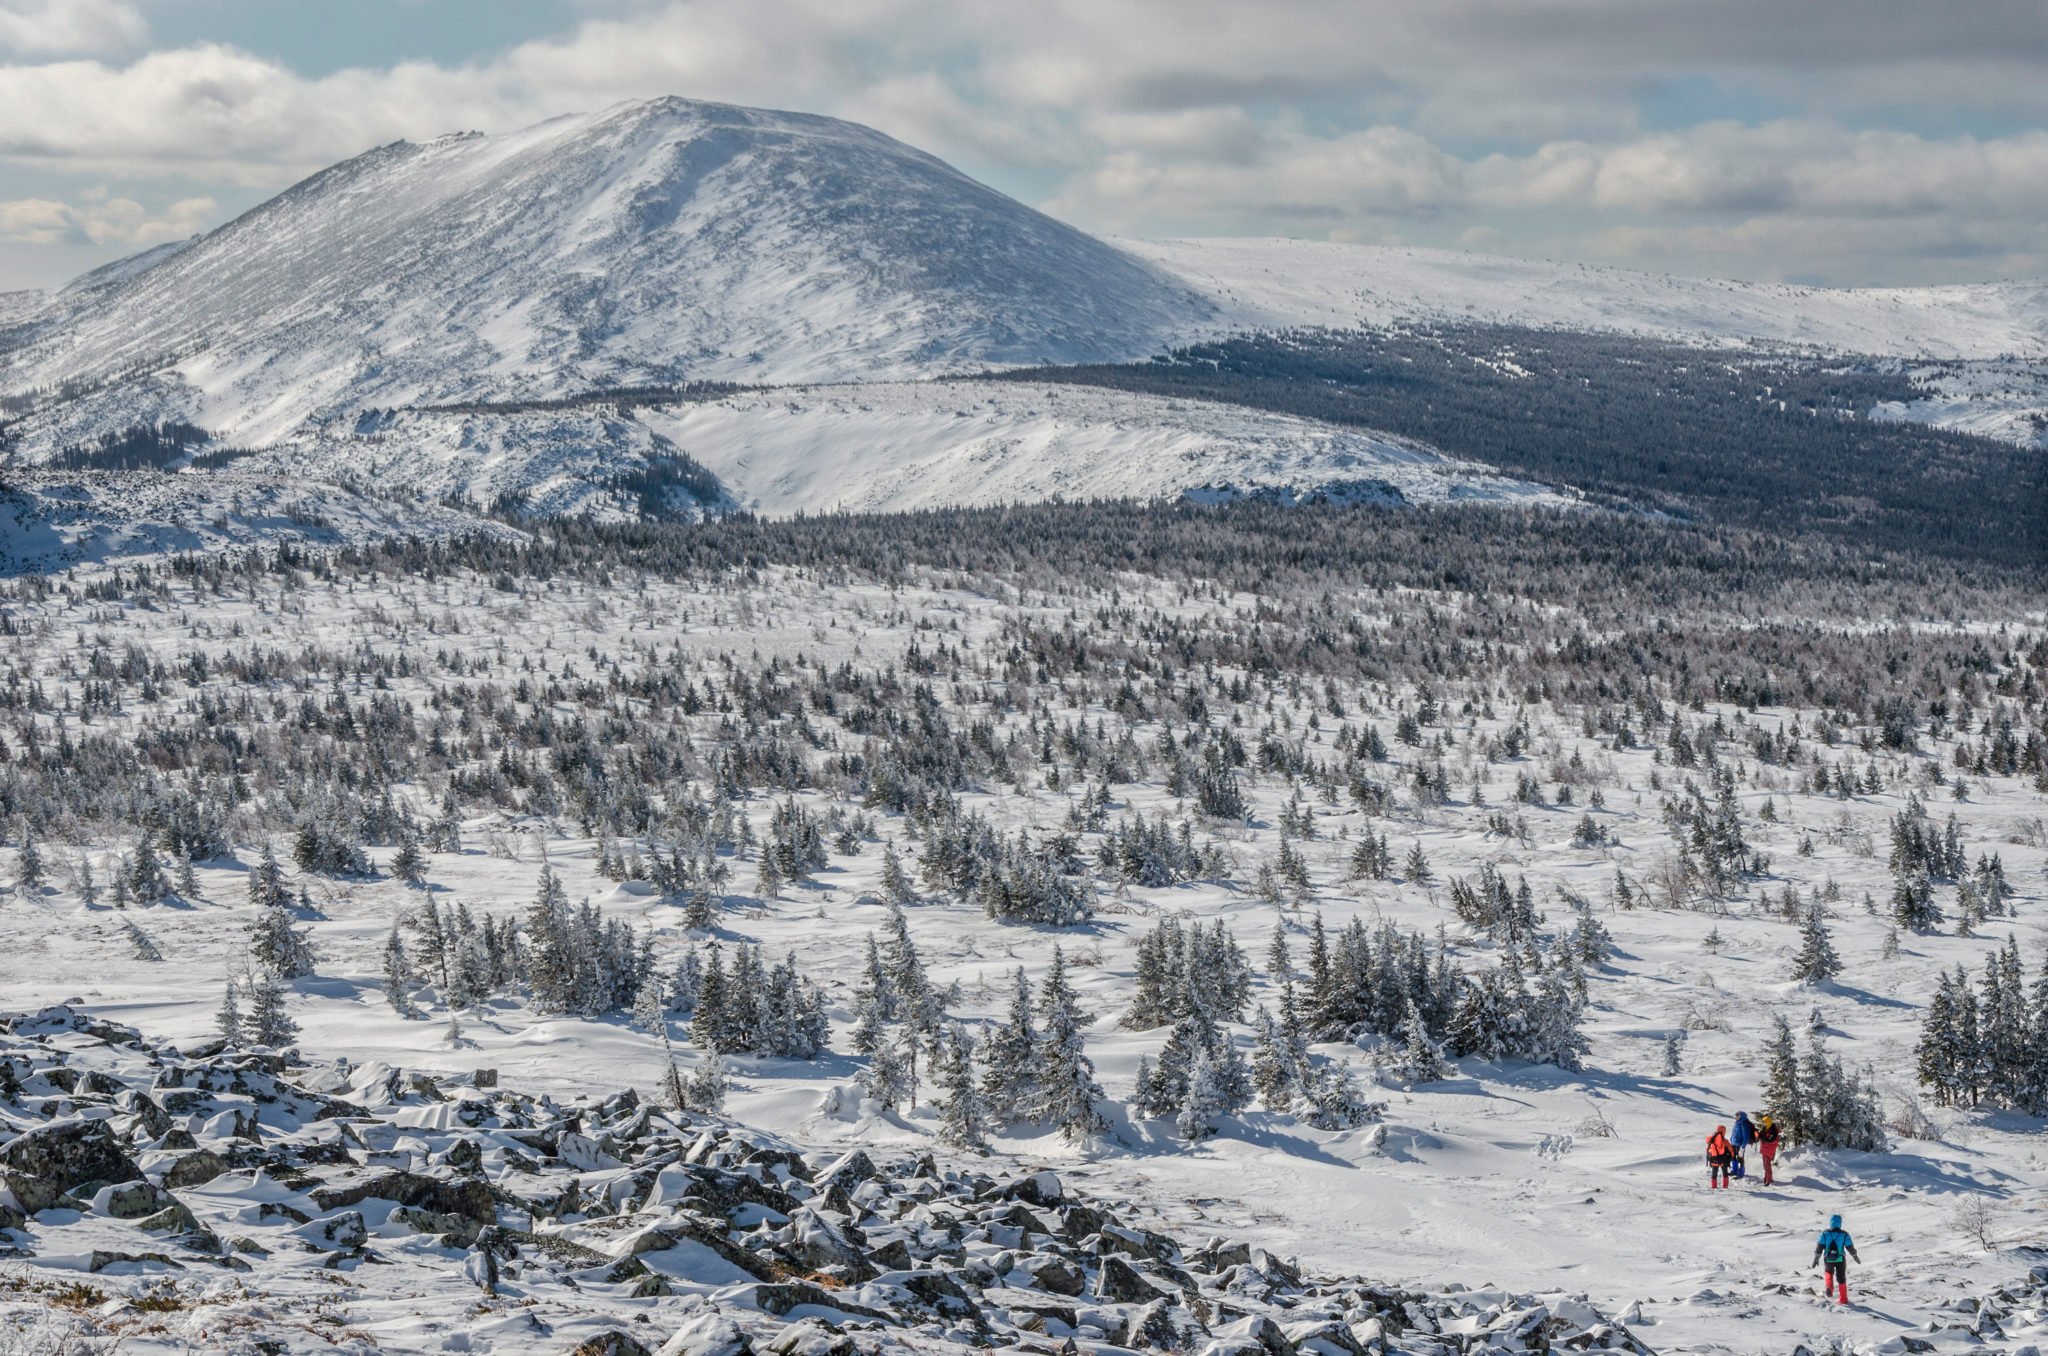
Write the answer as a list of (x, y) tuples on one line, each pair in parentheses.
[(1524, 1177)]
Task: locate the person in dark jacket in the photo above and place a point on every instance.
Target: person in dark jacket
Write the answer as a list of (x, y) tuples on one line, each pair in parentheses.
[(1835, 1247), (1740, 1136), (1767, 1137)]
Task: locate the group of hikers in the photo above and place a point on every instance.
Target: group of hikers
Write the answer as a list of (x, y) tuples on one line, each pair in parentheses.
[(1725, 1150)]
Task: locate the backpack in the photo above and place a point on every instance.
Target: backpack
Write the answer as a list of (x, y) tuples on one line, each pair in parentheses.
[(1832, 1248)]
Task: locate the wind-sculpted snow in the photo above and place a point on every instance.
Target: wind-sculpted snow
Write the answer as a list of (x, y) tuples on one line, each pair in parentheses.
[(649, 243)]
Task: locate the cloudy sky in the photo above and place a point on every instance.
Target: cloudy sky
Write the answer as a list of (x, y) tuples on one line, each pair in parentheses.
[(1839, 141)]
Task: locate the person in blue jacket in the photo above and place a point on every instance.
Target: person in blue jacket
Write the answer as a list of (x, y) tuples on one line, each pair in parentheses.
[(1740, 1136), (1835, 1247)]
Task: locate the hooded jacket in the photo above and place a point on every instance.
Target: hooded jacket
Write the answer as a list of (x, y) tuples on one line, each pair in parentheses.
[(1834, 1242)]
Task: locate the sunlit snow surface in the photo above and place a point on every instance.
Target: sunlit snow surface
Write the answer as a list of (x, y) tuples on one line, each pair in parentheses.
[(1499, 1176)]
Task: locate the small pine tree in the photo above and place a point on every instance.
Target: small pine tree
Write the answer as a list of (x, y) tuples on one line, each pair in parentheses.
[(398, 977), (889, 1077), (1204, 1104), (409, 865), (1420, 1061), (146, 879), (29, 865), (896, 883), (700, 910), (705, 1092), (278, 946), (145, 947), (1816, 962), (963, 1121), (1781, 1082), (1009, 1080), (266, 882), (1069, 1094), (1417, 870), (269, 1024), (1279, 958), (227, 1020), (1674, 1048)]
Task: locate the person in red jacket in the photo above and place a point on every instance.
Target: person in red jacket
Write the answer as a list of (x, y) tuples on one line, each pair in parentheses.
[(1767, 1136), (1720, 1153)]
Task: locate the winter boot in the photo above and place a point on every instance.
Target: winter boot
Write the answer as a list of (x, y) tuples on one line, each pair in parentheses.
[(1843, 1297)]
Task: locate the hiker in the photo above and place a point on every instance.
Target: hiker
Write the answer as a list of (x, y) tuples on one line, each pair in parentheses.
[(1767, 1137), (1720, 1153), (1835, 1247), (1740, 1138)]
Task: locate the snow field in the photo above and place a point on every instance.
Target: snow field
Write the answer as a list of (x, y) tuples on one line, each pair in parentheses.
[(1524, 1177)]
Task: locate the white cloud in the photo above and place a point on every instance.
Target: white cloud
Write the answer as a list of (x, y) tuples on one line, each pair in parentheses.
[(1343, 118), (102, 220), (54, 27)]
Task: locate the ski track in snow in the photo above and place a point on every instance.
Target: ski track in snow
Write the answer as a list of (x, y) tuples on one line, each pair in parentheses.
[(1457, 1193)]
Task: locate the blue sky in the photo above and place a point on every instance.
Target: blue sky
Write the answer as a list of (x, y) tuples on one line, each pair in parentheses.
[(1835, 141)]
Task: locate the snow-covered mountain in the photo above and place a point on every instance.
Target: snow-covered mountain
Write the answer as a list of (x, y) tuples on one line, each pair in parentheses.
[(666, 242), (1274, 284), (654, 242)]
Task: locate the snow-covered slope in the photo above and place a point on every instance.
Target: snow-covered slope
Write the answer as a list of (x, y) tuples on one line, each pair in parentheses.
[(653, 242), (1268, 284), (895, 446), (52, 520)]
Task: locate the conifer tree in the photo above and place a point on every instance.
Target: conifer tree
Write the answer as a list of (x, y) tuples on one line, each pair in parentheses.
[(1816, 962), (962, 1117), (700, 910), (279, 946), (398, 977), (1781, 1090), (409, 864), (266, 880), (1417, 870), (1068, 1094), (227, 1019), (1203, 1104), (146, 880), (705, 1092), (29, 865), (269, 1024), (889, 1077), (1009, 1082), (433, 942), (1419, 1061), (1279, 958)]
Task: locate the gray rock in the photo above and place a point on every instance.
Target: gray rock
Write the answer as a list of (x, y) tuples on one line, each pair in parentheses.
[(133, 1200), (69, 1154), (195, 1169), (1118, 1283), (782, 1297), (613, 1343)]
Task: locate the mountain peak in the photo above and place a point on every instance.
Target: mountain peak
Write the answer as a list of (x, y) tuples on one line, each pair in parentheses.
[(656, 241)]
